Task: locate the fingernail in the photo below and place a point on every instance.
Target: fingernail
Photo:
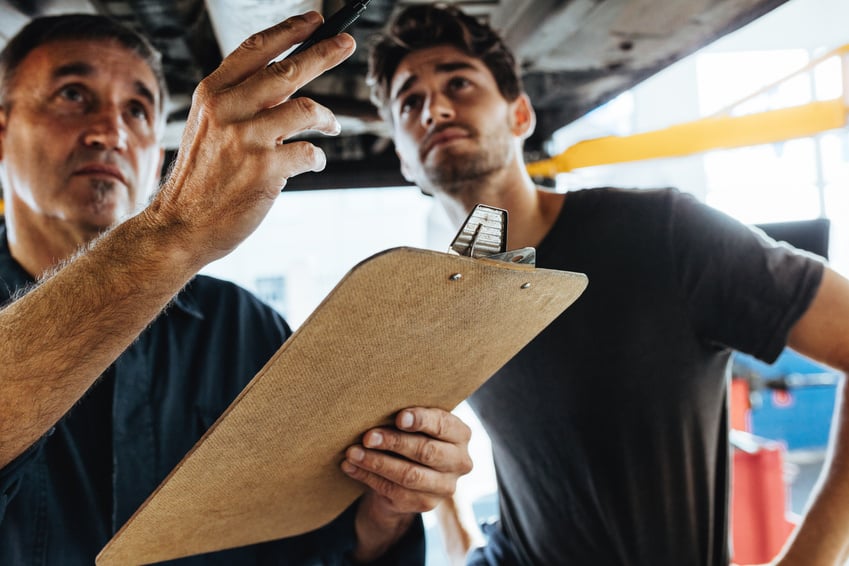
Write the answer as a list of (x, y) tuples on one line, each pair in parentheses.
[(374, 439), (348, 467), (356, 454), (336, 128), (407, 419)]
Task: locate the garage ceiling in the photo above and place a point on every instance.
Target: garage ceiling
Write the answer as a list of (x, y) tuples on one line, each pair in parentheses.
[(575, 55)]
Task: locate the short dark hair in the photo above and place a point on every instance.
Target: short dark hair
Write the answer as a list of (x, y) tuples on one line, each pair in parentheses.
[(425, 25), (72, 27)]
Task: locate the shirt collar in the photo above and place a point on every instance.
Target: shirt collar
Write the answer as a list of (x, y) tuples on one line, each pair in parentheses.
[(187, 301)]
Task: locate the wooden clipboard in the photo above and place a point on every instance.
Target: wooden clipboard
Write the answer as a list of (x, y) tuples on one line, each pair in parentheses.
[(404, 328)]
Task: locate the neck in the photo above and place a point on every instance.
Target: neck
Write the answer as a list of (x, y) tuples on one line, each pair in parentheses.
[(532, 210), (42, 245)]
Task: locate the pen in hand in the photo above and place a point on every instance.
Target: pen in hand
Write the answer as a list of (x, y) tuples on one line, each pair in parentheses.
[(335, 24)]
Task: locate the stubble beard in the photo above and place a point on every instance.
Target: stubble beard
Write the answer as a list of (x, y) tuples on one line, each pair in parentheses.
[(101, 189), (102, 204), (466, 175)]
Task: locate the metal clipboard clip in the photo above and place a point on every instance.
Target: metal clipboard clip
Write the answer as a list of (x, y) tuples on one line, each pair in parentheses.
[(484, 235)]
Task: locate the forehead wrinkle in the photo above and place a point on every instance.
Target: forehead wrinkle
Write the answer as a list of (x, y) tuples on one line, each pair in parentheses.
[(76, 68), (84, 69)]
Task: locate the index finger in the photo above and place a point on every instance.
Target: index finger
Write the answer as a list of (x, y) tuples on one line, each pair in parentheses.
[(256, 51), (434, 422), (278, 81)]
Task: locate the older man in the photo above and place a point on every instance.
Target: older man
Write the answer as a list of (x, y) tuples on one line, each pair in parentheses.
[(81, 119)]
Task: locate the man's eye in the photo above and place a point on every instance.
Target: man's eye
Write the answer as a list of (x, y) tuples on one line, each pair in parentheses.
[(457, 83), (71, 93), (139, 111), (410, 104)]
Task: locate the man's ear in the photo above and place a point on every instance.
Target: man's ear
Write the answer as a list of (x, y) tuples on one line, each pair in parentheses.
[(523, 120)]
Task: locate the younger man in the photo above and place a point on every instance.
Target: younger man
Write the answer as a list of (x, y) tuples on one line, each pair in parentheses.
[(610, 430)]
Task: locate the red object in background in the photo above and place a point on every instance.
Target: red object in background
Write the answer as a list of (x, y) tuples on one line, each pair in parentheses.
[(759, 524), (782, 399), (740, 405)]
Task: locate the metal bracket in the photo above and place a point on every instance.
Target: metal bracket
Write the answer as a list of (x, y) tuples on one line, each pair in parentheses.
[(484, 235)]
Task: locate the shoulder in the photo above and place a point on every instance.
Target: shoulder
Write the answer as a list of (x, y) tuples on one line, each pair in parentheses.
[(608, 211), (622, 201), (226, 302), (205, 286)]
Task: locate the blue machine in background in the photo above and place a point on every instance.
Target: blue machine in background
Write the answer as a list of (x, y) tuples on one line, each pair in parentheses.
[(792, 400)]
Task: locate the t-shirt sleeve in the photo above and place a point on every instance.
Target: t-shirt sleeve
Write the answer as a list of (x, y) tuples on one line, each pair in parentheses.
[(742, 289)]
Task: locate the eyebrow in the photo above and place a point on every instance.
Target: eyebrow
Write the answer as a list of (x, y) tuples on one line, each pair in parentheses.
[(82, 69), (440, 68)]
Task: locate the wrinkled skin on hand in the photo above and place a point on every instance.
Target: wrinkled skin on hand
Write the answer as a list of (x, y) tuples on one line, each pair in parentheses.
[(232, 161), (408, 469)]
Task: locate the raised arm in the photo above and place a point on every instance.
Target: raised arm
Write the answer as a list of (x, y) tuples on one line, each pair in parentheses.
[(823, 334), (232, 163)]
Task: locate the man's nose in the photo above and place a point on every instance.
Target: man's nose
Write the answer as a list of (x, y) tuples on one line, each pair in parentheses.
[(438, 109), (106, 130)]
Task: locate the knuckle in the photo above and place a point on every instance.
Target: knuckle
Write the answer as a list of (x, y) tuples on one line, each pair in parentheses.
[(467, 465), (377, 464), (411, 477), (392, 442), (442, 426), (307, 105), (285, 70), (383, 486), (208, 101), (428, 453), (307, 108), (255, 42), (306, 152), (203, 92)]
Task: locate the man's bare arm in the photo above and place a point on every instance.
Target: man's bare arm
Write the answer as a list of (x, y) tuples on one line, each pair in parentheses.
[(823, 334), (232, 164)]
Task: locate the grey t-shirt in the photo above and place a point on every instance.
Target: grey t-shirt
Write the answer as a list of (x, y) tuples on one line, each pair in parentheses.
[(609, 431)]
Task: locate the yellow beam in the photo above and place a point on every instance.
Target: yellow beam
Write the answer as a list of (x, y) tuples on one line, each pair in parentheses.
[(714, 132)]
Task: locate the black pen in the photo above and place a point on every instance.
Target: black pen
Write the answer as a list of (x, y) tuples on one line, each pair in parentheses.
[(337, 23)]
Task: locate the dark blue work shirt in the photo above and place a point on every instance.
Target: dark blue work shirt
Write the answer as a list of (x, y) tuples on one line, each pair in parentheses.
[(63, 499)]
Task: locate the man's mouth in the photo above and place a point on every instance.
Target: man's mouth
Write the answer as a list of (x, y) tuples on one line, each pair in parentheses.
[(444, 136), (101, 170)]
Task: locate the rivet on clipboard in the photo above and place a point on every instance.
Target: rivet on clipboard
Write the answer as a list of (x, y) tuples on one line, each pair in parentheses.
[(484, 234)]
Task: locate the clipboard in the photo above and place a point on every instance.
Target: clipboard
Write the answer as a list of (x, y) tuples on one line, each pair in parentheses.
[(406, 327)]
